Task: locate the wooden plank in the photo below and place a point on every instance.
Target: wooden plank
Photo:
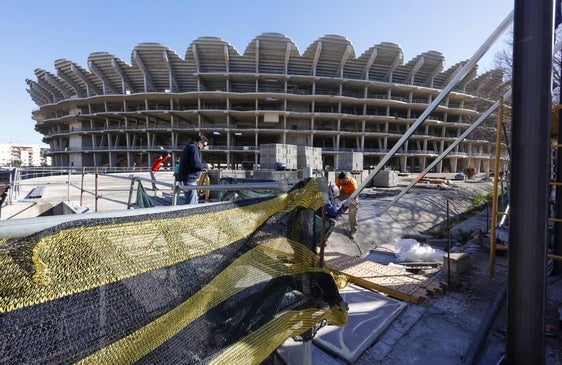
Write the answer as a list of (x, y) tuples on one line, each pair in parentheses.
[(391, 281)]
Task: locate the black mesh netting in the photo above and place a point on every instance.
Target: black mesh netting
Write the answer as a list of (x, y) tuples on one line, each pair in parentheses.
[(215, 283)]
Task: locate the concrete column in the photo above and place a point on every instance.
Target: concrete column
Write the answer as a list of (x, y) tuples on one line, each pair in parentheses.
[(403, 163), (423, 163), (453, 161), (439, 166), (478, 165)]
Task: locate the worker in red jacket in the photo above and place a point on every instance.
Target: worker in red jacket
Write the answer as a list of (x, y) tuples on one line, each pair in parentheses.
[(156, 167)]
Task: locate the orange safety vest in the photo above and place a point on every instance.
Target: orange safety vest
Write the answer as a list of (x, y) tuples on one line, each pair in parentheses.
[(348, 188)]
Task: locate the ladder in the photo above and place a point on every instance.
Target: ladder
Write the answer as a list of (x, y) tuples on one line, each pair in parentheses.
[(555, 184), (501, 177)]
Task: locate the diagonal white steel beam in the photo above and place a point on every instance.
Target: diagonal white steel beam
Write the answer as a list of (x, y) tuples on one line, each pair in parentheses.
[(438, 99)]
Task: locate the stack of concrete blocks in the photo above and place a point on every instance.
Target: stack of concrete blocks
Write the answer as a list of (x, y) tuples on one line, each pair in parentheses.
[(284, 177), (310, 157), (350, 161), (386, 179), (275, 152)]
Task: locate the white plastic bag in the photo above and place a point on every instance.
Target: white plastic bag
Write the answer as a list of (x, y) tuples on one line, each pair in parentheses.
[(408, 249)]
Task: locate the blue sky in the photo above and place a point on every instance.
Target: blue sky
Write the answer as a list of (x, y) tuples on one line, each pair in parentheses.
[(36, 33)]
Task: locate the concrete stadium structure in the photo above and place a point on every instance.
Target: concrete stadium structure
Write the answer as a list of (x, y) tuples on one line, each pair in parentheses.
[(116, 114)]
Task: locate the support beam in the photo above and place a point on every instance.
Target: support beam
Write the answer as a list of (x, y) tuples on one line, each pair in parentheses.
[(196, 57), (316, 57), (39, 92), (50, 89), (454, 74), (107, 85), (397, 60), (257, 56), (56, 83), (89, 84), (197, 65), (37, 97), (287, 57), (172, 80), (226, 59), (126, 83), (369, 63), (434, 73), (411, 76), (77, 89), (46, 94), (344, 58), (148, 83)]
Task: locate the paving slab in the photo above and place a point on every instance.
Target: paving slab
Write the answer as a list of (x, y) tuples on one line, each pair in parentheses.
[(370, 313), (292, 353)]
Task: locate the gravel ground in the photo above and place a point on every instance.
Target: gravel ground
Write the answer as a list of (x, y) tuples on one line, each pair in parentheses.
[(444, 329)]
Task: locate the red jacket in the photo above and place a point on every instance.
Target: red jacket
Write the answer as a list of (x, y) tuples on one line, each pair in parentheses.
[(158, 163)]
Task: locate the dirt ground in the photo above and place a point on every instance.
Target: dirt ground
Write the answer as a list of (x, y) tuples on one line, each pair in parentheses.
[(497, 337), (447, 327)]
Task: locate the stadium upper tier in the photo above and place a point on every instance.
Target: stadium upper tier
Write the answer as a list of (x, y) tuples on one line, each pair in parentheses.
[(116, 114)]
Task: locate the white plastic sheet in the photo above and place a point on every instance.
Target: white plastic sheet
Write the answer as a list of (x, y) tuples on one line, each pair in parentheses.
[(408, 249)]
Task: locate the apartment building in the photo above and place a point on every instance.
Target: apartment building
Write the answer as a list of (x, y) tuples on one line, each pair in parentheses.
[(15, 154)]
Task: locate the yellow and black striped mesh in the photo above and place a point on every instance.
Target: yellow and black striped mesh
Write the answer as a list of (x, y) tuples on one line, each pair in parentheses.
[(225, 283)]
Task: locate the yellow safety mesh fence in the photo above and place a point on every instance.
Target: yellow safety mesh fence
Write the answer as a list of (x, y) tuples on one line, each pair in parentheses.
[(220, 283), (254, 348), (63, 262), (240, 274)]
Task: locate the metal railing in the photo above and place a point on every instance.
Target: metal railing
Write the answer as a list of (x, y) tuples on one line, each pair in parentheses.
[(21, 178)]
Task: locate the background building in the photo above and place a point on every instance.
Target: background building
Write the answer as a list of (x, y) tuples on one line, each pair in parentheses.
[(14, 154), (116, 114)]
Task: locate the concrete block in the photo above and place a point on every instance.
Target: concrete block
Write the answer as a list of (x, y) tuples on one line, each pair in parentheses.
[(386, 179), (459, 262)]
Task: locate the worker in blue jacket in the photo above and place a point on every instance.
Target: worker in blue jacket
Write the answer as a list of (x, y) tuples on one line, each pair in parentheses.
[(191, 166)]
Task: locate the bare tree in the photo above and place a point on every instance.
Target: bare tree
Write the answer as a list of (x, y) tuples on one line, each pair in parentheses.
[(556, 68), (504, 61)]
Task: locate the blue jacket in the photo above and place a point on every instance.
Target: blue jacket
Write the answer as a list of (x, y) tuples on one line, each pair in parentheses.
[(190, 161), (331, 211)]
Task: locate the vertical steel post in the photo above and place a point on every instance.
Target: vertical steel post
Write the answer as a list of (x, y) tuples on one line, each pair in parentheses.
[(130, 201), (558, 202), (82, 186), (96, 189), (68, 187), (532, 69), (558, 199), (448, 245), (497, 177)]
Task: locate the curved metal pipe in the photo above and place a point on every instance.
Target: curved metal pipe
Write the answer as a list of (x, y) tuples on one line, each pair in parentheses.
[(476, 345)]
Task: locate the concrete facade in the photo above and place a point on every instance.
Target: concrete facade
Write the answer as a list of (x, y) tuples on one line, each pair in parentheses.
[(116, 114)]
